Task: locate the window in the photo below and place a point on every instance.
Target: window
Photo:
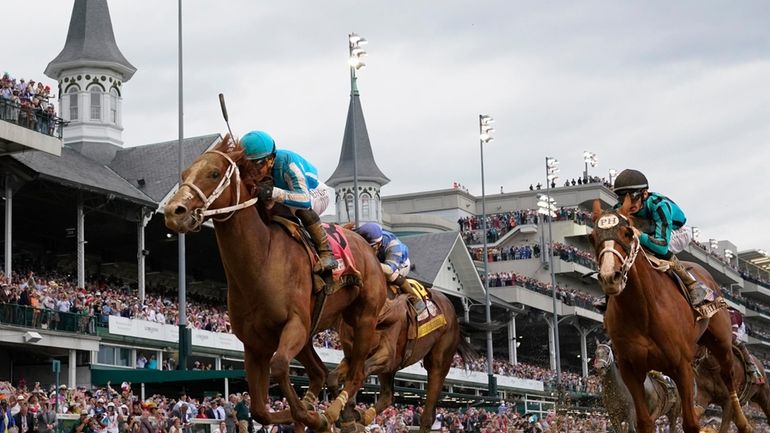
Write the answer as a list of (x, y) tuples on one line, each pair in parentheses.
[(366, 211), (96, 103), (106, 355), (114, 106), (349, 207), (73, 95)]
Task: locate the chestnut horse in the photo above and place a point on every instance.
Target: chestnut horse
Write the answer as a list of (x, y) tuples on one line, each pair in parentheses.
[(651, 324), (617, 400), (712, 390), (394, 352), (270, 288)]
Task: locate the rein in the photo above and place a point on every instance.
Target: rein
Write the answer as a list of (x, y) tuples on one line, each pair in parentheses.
[(628, 261), (201, 213)]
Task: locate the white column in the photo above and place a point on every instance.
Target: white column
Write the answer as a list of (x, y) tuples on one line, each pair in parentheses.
[(132, 361), (159, 355), (72, 369), (551, 341), (81, 239), (512, 340), (584, 353), (8, 225)]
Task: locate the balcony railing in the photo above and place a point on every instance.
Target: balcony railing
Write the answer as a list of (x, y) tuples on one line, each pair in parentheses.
[(40, 318), (27, 116)]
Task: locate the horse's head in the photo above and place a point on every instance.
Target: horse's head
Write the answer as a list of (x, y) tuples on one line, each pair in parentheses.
[(603, 358), (616, 244), (210, 186)]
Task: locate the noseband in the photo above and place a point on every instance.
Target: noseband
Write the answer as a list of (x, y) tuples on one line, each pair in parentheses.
[(200, 214), (628, 260)]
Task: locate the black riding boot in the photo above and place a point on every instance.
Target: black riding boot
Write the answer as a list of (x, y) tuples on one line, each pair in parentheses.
[(751, 368), (698, 290), (312, 223)]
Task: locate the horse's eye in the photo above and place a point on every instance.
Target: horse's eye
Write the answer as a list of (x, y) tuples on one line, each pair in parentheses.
[(629, 233), (215, 174)]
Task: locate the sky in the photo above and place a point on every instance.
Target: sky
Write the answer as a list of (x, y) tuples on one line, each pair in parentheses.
[(678, 90)]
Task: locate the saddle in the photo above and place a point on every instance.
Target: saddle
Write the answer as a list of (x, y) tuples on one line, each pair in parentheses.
[(748, 378), (705, 311), (345, 274)]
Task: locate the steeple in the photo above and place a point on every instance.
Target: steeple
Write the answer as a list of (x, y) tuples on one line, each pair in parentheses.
[(370, 178), (91, 71)]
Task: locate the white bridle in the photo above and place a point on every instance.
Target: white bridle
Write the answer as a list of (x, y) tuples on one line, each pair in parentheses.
[(627, 261), (605, 362), (203, 212)]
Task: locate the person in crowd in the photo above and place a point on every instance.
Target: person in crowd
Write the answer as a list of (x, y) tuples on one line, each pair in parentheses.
[(286, 177), (6, 418), (394, 259), (242, 413), (24, 420), (47, 418)]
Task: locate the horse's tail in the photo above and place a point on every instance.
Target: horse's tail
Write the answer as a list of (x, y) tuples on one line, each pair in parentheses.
[(465, 349)]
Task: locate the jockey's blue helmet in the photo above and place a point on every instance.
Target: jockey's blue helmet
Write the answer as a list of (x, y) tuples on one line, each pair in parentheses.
[(372, 232), (258, 144)]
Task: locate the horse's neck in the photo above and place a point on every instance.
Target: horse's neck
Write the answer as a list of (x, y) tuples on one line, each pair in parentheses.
[(243, 238), (637, 294)]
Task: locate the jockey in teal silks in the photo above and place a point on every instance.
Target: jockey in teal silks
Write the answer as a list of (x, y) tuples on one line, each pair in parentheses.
[(288, 178), (662, 227)]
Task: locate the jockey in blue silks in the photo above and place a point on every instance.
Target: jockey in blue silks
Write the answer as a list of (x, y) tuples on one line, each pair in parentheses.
[(394, 259), (295, 184)]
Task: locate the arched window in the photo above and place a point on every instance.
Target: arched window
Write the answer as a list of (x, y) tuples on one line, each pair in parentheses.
[(96, 103), (366, 210), (114, 105), (350, 209), (73, 95)]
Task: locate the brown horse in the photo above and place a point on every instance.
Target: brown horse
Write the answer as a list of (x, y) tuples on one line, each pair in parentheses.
[(394, 351), (618, 402), (651, 324), (712, 390), (270, 288)]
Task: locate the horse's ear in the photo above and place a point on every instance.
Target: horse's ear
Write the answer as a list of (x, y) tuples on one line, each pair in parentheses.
[(226, 145), (597, 209)]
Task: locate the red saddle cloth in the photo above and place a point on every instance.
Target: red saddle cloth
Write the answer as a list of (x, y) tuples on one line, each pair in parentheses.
[(341, 249)]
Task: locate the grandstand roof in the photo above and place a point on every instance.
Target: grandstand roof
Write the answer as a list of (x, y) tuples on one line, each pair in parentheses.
[(758, 258), (430, 253), (157, 163), (77, 171), (356, 139), (90, 42)]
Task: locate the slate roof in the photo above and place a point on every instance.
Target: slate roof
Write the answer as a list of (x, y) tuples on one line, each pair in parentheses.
[(356, 136), (428, 253), (90, 42), (77, 171), (158, 163)]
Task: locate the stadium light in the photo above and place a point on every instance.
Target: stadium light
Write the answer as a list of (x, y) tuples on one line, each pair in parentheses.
[(485, 136), (589, 158), (695, 233), (713, 245), (612, 173)]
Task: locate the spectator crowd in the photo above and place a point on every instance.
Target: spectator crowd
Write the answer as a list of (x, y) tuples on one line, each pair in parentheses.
[(498, 224), (27, 103)]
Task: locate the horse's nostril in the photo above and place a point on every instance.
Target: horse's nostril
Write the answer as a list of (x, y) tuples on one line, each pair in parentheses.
[(617, 276), (180, 210)]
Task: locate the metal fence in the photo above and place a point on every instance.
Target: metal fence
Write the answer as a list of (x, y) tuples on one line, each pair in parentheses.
[(40, 318), (30, 117)]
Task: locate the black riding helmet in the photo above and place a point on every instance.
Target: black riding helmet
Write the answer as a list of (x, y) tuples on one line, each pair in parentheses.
[(630, 181)]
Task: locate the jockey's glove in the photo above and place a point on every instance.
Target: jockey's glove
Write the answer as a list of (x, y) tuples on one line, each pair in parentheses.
[(265, 190)]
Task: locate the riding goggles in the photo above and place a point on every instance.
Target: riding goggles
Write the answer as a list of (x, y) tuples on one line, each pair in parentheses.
[(635, 195)]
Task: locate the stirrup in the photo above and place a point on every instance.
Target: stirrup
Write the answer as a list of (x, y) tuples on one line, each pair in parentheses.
[(325, 263)]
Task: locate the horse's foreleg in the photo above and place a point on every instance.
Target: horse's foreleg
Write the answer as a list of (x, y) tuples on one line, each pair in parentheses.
[(727, 415), (685, 386), (385, 398), (362, 339), (339, 374), (317, 373), (724, 356), (762, 399), (256, 363), (635, 383), (293, 339), (438, 367)]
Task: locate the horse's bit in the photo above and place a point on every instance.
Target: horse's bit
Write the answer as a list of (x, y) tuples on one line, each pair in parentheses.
[(201, 213)]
